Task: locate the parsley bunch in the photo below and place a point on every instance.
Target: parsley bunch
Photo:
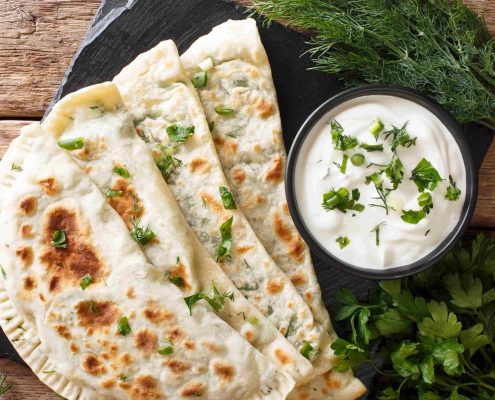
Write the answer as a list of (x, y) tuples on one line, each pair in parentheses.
[(439, 47), (433, 333)]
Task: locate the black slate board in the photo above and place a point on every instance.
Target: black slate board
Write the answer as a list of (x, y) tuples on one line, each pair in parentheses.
[(123, 29)]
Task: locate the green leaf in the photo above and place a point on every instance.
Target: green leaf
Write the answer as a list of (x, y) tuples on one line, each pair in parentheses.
[(412, 217), (404, 367), (394, 171), (425, 176), (200, 79), (364, 332), (453, 192), (442, 324), (123, 327), (351, 354), (224, 111), (345, 296), (392, 322), (113, 193), (179, 134), (473, 339), (72, 144), (86, 280), (343, 241), (389, 394), (122, 171), (339, 140), (427, 368), (175, 279), (400, 137), (307, 351), (223, 250), (425, 200), (340, 200), (488, 296), (357, 160), (167, 349), (59, 239), (456, 396), (447, 354), (141, 235), (166, 162), (376, 127), (216, 301), (227, 198), (466, 292), (371, 147), (342, 312), (392, 287)]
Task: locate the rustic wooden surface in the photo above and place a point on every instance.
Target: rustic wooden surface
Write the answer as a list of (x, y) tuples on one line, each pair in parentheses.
[(37, 41)]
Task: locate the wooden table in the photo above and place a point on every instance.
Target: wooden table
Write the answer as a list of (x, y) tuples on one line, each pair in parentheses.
[(37, 41)]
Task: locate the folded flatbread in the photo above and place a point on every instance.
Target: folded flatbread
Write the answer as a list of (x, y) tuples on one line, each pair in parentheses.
[(168, 115), (124, 332), (141, 197), (240, 78)]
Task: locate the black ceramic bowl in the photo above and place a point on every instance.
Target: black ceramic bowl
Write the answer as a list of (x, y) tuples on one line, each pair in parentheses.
[(471, 181)]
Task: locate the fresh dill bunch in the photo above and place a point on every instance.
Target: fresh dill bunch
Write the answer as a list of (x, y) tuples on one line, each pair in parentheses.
[(439, 47)]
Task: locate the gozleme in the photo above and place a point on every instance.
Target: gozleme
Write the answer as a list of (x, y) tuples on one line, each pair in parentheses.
[(238, 76), (125, 331), (168, 116), (118, 161)]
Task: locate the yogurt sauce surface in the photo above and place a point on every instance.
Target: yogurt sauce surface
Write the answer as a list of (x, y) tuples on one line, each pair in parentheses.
[(400, 243)]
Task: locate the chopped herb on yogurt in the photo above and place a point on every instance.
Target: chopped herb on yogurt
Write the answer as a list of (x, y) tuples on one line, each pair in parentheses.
[(340, 199), (358, 160), (413, 217), (376, 127), (453, 192), (425, 176), (371, 147), (343, 241), (340, 141), (400, 137)]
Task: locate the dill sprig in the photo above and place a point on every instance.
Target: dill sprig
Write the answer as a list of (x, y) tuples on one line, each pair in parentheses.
[(439, 47)]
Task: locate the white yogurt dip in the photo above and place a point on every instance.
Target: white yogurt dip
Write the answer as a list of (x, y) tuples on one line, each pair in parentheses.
[(400, 243)]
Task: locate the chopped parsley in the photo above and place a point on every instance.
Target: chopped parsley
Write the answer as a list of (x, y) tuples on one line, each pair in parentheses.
[(307, 351), (343, 166), (340, 141), (425, 200), (59, 239), (123, 327), (340, 199), (72, 144), (380, 190), (4, 274), (224, 111), (200, 79), (167, 163), (93, 308), (358, 160), (15, 167), (253, 320), (227, 198), (216, 301), (376, 229), (86, 280), (179, 134), (371, 147), (394, 171), (223, 249), (343, 241), (413, 217), (175, 279), (122, 171), (376, 127), (167, 349), (425, 176), (453, 192), (400, 137), (113, 193)]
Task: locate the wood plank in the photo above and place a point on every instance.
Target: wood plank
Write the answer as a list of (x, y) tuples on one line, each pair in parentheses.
[(37, 42), (25, 383)]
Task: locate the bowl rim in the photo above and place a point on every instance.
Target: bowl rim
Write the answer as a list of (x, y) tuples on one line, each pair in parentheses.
[(471, 180)]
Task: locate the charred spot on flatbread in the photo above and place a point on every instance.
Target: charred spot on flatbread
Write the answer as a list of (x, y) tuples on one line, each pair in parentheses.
[(97, 314), (238, 175), (63, 331), (212, 347), (28, 205), (282, 357), (49, 185), (146, 341), (224, 371), (29, 282), (176, 366), (227, 147), (155, 315), (274, 286), (128, 206), (68, 265), (193, 389), (93, 365), (292, 241), (145, 387), (275, 171), (25, 255), (264, 108), (199, 165), (299, 277), (26, 231)]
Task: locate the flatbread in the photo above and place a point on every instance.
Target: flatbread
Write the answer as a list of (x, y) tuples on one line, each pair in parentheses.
[(107, 358), (241, 78), (97, 114), (160, 96)]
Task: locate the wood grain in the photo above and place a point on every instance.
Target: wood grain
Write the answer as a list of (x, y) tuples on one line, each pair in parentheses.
[(37, 41)]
